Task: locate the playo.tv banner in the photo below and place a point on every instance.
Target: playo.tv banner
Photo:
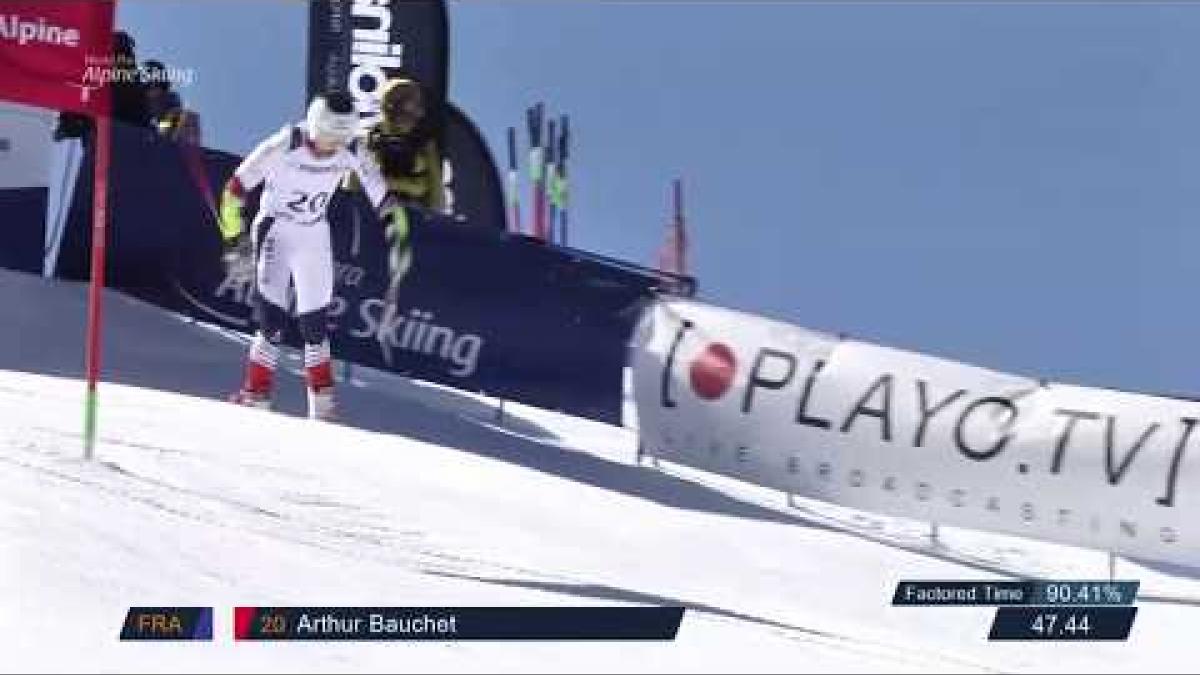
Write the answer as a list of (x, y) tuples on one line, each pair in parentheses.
[(905, 434)]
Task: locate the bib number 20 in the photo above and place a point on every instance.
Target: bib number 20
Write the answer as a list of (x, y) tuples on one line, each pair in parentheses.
[(308, 205)]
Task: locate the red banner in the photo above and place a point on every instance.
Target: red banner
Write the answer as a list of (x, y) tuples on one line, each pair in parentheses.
[(57, 55)]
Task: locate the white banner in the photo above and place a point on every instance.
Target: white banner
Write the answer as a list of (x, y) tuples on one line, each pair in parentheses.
[(911, 435), (25, 142)]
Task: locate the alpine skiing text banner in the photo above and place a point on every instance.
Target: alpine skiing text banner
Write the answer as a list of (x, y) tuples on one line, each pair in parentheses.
[(479, 310), (900, 433)]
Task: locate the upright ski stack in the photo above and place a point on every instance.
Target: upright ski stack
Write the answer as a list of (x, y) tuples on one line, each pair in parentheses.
[(679, 232), (672, 258), (551, 180), (558, 190), (514, 196), (534, 117)]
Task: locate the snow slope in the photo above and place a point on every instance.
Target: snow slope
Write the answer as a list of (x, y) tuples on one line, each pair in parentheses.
[(427, 498)]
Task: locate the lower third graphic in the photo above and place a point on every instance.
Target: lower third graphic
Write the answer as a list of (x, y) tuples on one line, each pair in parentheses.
[(456, 623)]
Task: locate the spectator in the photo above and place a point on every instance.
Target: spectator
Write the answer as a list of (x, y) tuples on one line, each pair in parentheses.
[(166, 110), (160, 98), (128, 94), (404, 145)]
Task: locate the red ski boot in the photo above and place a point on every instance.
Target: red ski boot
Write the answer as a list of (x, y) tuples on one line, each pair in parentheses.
[(256, 389)]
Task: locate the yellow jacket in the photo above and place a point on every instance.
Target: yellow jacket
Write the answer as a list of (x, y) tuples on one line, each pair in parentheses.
[(411, 165)]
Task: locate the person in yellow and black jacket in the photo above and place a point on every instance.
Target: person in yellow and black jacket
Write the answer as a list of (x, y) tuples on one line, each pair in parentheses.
[(405, 146)]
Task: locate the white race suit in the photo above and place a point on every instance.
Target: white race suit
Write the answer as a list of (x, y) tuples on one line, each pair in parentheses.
[(291, 231)]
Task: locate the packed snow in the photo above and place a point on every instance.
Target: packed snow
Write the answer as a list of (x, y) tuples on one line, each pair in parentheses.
[(425, 496)]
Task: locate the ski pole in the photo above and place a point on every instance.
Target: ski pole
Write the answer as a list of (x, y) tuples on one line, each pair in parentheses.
[(551, 180), (514, 197), (560, 189), (536, 166)]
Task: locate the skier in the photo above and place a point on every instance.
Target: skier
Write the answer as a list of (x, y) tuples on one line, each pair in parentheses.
[(289, 241)]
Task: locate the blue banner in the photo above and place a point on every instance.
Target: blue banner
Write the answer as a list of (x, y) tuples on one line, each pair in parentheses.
[(480, 310)]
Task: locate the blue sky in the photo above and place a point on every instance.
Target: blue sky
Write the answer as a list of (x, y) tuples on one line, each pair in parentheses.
[(1010, 185)]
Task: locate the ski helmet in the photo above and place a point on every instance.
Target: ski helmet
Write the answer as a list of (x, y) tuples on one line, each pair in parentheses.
[(402, 103), (331, 118)]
